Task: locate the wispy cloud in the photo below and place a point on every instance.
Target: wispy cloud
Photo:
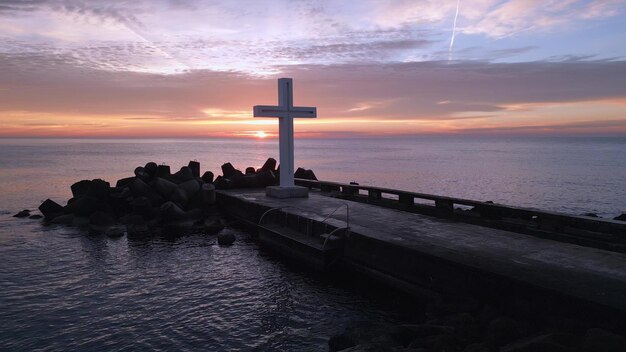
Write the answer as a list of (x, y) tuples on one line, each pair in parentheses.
[(252, 36)]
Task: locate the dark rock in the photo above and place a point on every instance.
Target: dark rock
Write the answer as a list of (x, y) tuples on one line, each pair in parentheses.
[(132, 219), (65, 219), (236, 179), (364, 333), (591, 215), (22, 214), (137, 230), (151, 168), (85, 206), (190, 188), (164, 187), (443, 342), (269, 165), (101, 218), (207, 177), (300, 173), (80, 188), (212, 226), (207, 194), (155, 199), (194, 166), (170, 211), (121, 183), (265, 178), (179, 197), (80, 221), (178, 227), (115, 231), (163, 171), (407, 333), (225, 238), (184, 174), (248, 181), (223, 183), (305, 174), (250, 170), (544, 343), (122, 193), (36, 216), (142, 174), (99, 189), (621, 217), (229, 170), (602, 340), (139, 188), (50, 209), (503, 330), (340, 342)]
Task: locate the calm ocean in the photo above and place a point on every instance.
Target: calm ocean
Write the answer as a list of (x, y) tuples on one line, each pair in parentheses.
[(65, 290)]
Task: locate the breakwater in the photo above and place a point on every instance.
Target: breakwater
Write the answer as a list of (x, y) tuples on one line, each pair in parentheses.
[(529, 284)]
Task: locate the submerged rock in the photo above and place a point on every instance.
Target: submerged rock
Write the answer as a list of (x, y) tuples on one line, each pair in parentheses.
[(66, 219), (115, 231), (212, 226), (22, 214), (226, 238)]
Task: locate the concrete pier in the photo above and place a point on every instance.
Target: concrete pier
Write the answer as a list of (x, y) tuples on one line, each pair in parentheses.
[(424, 254)]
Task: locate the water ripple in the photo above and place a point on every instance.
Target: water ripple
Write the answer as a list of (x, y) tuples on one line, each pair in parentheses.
[(66, 290)]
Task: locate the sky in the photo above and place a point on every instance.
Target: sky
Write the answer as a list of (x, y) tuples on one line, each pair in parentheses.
[(195, 68)]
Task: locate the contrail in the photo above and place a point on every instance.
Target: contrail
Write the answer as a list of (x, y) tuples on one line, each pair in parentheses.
[(458, 2)]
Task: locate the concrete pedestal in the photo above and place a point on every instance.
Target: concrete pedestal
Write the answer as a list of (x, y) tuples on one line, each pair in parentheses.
[(287, 192)]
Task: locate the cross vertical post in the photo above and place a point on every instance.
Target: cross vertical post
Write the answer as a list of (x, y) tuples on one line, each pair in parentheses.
[(286, 112), (285, 133)]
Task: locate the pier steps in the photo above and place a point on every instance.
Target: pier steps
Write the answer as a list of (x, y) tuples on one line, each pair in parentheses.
[(314, 251)]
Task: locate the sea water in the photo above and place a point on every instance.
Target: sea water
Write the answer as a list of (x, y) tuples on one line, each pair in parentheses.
[(61, 289)]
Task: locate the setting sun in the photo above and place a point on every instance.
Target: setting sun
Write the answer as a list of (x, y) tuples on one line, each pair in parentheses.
[(260, 134)]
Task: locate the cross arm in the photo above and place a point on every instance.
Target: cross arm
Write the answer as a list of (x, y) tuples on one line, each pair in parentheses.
[(303, 111), (268, 111)]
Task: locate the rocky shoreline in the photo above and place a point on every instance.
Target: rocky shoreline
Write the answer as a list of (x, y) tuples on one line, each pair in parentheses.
[(155, 201), (463, 324)]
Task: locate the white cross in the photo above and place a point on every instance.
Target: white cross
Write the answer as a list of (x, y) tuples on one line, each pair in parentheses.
[(285, 111)]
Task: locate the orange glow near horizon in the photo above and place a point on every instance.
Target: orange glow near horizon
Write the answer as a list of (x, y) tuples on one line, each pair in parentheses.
[(602, 116)]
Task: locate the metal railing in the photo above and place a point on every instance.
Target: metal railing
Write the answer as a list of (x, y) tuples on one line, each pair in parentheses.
[(347, 228), (445, 206)]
